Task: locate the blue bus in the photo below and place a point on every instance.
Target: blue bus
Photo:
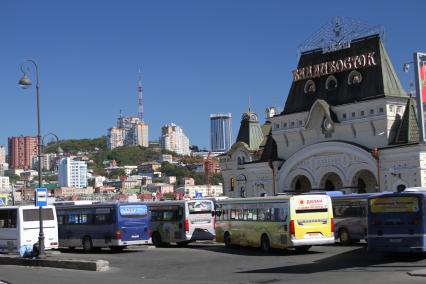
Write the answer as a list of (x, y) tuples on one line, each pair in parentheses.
[(396, 222), (98, 225)]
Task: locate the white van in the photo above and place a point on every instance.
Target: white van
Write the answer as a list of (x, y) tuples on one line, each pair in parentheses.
[(20, 226)]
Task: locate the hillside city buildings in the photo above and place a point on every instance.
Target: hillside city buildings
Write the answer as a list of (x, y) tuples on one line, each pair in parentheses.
[(220, 132), (174, 139), (21, 150)]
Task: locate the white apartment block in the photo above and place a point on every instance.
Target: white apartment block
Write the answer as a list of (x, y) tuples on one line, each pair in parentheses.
[(72, 173), (2, 154), (174, 139), (205, 190), (4, 183), (3, 168), (115, 138)]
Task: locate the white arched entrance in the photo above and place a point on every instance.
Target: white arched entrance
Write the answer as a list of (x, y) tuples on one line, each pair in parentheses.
[(327, 164)]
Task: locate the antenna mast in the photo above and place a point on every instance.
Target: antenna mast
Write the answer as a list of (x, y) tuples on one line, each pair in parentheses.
[(140, 102)]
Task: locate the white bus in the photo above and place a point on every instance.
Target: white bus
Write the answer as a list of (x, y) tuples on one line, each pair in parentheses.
[(20, 226), (181, 222)]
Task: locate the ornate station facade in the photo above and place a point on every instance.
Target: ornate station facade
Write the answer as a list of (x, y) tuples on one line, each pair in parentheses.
[(347, 125)]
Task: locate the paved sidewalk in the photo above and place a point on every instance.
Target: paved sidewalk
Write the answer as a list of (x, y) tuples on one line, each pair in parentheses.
[(421, 272), (57, 260)]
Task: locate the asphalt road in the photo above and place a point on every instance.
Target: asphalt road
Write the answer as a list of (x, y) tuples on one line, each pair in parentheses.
[(213, 263)]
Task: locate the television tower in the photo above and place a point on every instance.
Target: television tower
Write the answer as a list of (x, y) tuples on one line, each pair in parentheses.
[(140, 102)]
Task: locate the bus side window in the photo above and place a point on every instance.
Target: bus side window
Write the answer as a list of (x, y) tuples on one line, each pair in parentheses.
[(170, 215), (249, 214), (156, 215), (254, 213), (239, 215), (233, 214), (246, 214), (61, 219), (101, 219), (261, 214), (268, 214), (8, 218), (278, 214), (180, 212)]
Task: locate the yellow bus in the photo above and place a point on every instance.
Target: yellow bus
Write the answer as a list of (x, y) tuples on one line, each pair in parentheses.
[(298, 222)]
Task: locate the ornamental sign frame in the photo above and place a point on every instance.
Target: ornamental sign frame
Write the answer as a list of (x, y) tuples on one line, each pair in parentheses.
[(338, 34)]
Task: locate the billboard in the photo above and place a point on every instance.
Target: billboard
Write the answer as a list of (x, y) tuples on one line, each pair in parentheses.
[(420, 74)]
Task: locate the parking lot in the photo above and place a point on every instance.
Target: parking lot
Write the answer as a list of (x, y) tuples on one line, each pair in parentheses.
[(213, 263)]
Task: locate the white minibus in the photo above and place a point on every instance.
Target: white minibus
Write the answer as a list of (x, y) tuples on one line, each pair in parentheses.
[(182, 221), (19, 225)]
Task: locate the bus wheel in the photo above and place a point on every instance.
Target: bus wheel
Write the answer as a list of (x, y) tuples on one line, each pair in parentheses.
[(227, 240), (156, 240), (87, 244), (344, 237), (264, 243), (302, 249)]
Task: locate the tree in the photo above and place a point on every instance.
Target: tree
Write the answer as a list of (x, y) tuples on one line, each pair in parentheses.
[(13, 178), (116, 173)]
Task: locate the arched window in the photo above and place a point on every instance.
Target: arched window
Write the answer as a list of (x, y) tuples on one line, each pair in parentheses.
[(310, 87), (354, 78), (331, 83)]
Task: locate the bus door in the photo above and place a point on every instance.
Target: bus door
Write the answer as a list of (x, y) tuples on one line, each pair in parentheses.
[(133, 222)]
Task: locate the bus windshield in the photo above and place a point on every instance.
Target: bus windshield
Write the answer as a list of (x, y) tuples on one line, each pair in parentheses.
[(200, 207), (394, 204), (133, 211)]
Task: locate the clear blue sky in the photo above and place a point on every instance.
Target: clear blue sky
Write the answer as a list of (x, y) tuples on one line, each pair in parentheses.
[(197, 57)]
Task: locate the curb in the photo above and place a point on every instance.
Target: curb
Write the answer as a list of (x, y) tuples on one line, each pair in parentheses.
[(90, 265), (421, 272)]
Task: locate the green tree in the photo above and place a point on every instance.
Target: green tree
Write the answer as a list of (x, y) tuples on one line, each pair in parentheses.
[(116, 173)]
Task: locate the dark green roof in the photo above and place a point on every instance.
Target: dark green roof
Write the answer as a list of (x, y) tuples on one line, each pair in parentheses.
[(250, 131), (407, 129)]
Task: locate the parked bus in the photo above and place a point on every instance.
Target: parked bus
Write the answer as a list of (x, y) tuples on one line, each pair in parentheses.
[(182, 221), (98, 225), (20, 226), (298, 221), (350, 217), (397, 222)]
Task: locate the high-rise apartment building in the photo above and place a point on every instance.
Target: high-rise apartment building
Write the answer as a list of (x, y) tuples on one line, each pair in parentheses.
[(221, 132), (72, 173), (173, 139), (130, 131), (115, 138), (2, 154), (22, 149)]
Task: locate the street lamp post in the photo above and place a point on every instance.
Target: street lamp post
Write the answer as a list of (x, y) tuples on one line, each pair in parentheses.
[(25, 83)]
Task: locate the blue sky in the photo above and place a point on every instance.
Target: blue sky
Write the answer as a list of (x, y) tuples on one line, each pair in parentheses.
[(197, 57)]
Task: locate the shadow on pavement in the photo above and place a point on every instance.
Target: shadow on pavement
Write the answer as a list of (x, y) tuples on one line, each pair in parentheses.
[(98, 251), (249, 251), (357, 258)]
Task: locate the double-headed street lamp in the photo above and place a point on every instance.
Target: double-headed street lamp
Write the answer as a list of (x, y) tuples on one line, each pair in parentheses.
[(25, 83)]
